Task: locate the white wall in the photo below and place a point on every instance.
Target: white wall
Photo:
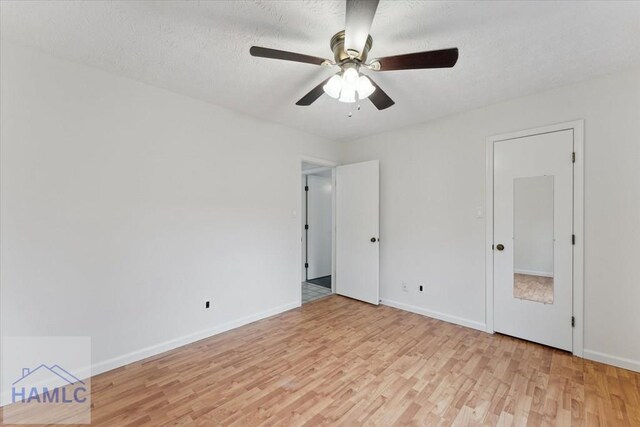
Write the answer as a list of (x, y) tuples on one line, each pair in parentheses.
[(533, 226), (432, 180), (125, 207)]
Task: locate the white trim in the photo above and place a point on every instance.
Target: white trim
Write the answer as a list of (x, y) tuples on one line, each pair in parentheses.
[(156, 349), (317, 161), (578, 224), (488, 301), (538, 131), (621, 362), (324, 164), (578, 230), (533, 273), (316, 170), (435, 315), (333, 231)]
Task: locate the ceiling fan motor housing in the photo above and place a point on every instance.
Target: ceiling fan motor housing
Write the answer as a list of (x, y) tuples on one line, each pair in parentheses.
[(341, 55)]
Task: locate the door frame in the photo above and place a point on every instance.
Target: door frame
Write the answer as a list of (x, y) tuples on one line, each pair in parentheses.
[(578, 224), (322, 165)]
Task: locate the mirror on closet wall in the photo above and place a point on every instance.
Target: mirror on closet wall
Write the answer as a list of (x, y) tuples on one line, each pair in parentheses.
[(533, 239)]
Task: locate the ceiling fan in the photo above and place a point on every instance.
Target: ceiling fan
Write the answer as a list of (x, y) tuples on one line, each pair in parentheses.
[(350, 50)]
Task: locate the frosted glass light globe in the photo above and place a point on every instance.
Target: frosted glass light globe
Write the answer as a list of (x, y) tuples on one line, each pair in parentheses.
[(348, 94), (333, 86), (365, 88), (350, 77)]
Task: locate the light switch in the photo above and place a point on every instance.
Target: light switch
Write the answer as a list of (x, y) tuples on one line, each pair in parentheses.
[(479, 212)]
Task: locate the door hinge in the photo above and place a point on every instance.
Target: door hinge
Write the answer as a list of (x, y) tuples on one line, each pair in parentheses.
[(573, 157), (306, 265), (306, 188), (573, 321), (573, 239), (306, 226)]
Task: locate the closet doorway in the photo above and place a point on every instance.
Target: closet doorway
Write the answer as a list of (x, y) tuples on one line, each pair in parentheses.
[(534, 235)]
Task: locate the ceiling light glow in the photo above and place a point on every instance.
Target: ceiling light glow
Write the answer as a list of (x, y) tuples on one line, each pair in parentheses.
[(348, 94), (346, 85), (350, 77), (333, 87), (365, 88)]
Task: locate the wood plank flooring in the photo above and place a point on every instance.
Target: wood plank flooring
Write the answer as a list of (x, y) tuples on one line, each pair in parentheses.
[(337, 361)]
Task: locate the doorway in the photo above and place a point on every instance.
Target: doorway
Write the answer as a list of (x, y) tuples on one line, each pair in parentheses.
[(317, 230), (534, 259), (354, 228)]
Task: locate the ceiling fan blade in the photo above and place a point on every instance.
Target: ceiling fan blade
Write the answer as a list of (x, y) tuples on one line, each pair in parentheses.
[(264, 52), (360, 15), (379, 98), (313, 95), (445, 58)]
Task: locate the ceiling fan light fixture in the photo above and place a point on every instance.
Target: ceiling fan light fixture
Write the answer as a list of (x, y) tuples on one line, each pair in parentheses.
[(348, 94), (333, 87), (350, 77), (365, 88), (351, 48)]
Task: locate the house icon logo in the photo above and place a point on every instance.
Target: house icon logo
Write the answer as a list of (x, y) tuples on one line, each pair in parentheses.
[(48, 384)]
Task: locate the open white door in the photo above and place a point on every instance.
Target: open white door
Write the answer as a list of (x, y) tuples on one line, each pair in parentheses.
[(357, 229)]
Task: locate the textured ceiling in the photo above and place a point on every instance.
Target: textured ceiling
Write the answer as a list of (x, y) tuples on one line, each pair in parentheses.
[(201, 49)]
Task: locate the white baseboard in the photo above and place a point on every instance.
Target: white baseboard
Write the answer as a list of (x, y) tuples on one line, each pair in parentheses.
[(125, 359), (135, 356), (620, 362), (534, 273), (436, 315)]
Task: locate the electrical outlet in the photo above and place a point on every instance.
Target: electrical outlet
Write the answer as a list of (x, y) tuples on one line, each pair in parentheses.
[(207, 304), (405, 287), (420, 287)]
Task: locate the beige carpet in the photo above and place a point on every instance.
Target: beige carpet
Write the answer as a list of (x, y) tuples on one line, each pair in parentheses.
[(533, 288)]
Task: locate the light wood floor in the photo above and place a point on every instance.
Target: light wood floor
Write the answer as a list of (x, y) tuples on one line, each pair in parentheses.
[(342, 362)]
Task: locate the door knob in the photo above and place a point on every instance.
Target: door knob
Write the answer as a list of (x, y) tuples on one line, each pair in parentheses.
[(373, 240), (500, 247)]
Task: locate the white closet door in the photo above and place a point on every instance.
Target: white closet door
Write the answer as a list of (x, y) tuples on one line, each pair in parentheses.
[(533, 227)]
